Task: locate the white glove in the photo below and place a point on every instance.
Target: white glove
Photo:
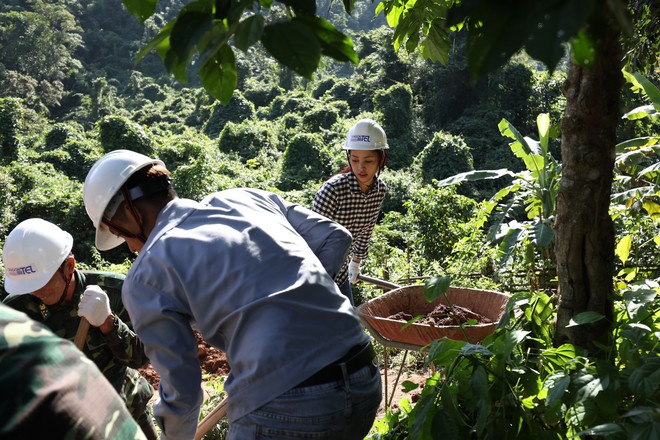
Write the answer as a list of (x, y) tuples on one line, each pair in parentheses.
[(94, 305), (353, 271)]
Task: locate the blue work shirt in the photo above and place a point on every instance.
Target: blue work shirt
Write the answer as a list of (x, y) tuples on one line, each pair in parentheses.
[(253, 274)]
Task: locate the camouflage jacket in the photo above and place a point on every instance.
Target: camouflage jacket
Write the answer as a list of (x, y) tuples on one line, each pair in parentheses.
[(50, 390), (117, 354)]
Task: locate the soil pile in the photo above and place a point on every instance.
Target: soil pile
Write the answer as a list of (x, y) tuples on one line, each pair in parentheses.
[(213, 363), (443, 315)]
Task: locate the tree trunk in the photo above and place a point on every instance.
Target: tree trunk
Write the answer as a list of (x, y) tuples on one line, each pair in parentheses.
[(584, 229)]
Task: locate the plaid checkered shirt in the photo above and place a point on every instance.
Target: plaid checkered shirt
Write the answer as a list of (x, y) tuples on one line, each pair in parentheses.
[(341, 200)]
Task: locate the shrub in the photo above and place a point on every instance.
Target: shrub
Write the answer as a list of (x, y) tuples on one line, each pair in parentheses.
[(237, 110), (439, 218), (117, 132), (291, 103), (262, 96), (247, 139), (305, 158), (320, 117), (10, 115), (446, 155)]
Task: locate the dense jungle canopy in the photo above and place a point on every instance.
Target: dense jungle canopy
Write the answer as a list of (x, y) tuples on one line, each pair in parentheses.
[(72, 90), (523, 158)]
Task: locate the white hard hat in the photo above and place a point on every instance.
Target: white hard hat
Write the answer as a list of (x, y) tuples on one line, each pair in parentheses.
[(366, 134), (32, 253), (103, 181)]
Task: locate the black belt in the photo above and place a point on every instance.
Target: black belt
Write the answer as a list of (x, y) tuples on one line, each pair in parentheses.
[(355, 359)]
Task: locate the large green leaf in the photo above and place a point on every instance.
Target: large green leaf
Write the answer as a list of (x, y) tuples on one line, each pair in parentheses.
[(557, 384), (585, 318), (294, 44), (644, 111), (651, 90), (623, 248), (473, 176), (639, 142), (543, 235), (160, 43), (190, 28), (249, 31), (436, 44), (499, 30), (333, 43), (218, 74), (436, 287), (590, 388), (141, 9)]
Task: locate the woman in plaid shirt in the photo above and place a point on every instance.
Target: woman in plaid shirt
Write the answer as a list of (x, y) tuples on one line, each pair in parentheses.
[(353, 197)]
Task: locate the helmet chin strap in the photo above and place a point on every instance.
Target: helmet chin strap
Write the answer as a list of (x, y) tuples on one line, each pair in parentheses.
[(67, 282), (123, 231)]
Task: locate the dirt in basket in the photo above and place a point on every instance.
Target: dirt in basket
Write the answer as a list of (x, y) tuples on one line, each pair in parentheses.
[(443, 315)]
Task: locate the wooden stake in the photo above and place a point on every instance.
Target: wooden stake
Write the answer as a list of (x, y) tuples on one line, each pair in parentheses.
[(81, 333), (212, 418)]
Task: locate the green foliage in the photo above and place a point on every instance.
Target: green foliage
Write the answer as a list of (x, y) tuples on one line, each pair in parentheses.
[(401, 184), (394, 107), (8, 202), (439, 215), (70, 151), (117, 132), (321, 117), (511, 91), (636, 187), (248, 139), (306, 158), (262, 95), (36, 49), (215, 388), (444, 156), (297, 42), (346, 90), (299, 103), (238, 109), (534, 26), (11, 113), (534, 190)]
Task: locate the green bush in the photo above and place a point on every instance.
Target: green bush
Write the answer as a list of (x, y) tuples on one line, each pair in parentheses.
[(117, 132), (11, 113), (401, 186), (321, 117), (238, 109), (306, 158), (395, 107), (262, 96), (248, 139), (446, 155), (293, 102), (439, 218)]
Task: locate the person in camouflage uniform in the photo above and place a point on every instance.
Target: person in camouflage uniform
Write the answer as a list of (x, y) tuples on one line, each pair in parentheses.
[(111, 342), (51, 390)]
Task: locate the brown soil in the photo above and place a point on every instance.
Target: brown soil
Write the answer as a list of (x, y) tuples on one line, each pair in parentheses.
[(443, 315), (213, 363)]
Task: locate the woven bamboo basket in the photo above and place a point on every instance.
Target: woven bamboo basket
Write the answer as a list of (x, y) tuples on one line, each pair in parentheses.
[(410, 299)]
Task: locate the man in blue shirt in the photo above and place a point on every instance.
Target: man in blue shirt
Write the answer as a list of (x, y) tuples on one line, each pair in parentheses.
[(254, 275)]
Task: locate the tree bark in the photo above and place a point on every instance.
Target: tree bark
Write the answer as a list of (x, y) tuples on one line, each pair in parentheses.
[(584, 228)]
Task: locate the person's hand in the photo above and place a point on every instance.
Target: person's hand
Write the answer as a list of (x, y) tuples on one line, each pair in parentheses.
[(94, 306), (353, 271)]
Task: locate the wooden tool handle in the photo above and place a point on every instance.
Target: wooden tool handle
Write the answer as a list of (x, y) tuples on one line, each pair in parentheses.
[(81, 333), (212, 419)]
